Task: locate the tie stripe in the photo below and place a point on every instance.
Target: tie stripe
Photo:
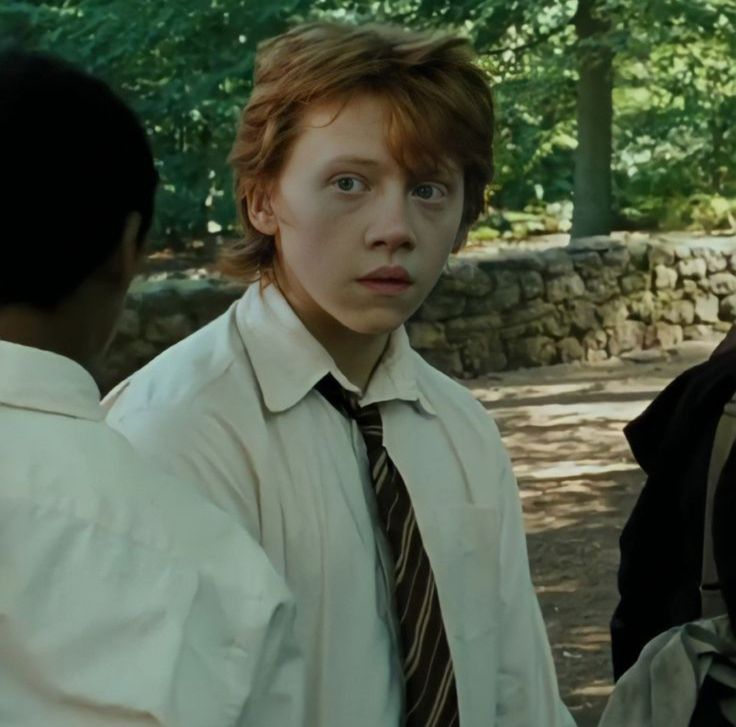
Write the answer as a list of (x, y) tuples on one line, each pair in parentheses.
[(441, 697), (425, 685), (409, 526), (412, 658), (391, 509), (381, 467), (431, 696), (407, 601)]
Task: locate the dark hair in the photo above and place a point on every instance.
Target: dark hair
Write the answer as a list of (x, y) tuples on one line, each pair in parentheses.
[(74, 163)]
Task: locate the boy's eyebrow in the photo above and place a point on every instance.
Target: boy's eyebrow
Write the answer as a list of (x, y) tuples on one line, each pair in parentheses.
[(349, 159), (441, 170)]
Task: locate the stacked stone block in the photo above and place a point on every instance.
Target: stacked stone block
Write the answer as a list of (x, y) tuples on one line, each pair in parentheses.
[(588, 301)]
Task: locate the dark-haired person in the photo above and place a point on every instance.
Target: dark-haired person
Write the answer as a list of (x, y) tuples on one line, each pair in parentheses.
[(672, 634), (125, 597), (681, 440)]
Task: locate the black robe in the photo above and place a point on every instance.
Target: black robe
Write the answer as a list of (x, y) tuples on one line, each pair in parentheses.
[(662, 542)]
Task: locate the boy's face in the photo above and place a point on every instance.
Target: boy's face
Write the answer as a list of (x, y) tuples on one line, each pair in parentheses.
[(360, 242)]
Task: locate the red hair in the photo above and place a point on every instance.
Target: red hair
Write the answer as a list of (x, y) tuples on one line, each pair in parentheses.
[(439, 99)]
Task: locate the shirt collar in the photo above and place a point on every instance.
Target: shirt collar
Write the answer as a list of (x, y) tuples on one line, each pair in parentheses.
[(31, 378), (288, 361)]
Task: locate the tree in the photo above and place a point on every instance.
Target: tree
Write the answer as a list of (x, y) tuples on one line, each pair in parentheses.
[(559, 70), (186, 68), (593, 203)]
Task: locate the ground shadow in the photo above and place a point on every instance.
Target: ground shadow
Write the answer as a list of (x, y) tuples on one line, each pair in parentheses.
[(578, 482)]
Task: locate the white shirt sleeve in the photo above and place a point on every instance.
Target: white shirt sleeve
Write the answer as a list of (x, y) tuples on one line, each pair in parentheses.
[(203, 454), (99, 628), (528, 691), (197, 446)]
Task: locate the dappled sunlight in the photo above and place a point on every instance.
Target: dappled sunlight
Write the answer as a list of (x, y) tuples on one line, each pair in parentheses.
[(594, 690), (568, 470), (560, 394), (578, 482), (584, 644), (556, 415)]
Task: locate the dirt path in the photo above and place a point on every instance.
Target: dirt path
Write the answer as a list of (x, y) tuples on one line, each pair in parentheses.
[(562, 426)]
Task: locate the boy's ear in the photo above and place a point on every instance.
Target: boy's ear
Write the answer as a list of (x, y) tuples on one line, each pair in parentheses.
[(260, 210)]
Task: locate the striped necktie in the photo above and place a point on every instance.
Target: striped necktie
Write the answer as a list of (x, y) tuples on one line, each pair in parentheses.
[(431, 696)]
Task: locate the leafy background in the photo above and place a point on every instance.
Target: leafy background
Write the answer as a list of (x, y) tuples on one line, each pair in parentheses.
[(186, 67)]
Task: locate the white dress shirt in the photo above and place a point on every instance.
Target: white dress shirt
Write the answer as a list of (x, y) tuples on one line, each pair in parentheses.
[(126, 598), (234, 406)]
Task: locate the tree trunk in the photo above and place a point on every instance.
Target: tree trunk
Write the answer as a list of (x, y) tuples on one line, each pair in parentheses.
[(592, 183)]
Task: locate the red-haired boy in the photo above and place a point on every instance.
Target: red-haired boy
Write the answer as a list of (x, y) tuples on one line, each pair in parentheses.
[(378, 487)]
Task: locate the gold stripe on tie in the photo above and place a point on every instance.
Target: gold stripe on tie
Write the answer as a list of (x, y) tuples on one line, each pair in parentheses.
[(431, 694)]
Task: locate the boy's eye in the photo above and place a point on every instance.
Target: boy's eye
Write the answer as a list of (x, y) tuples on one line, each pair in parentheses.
[(349, 184), (429, 192)]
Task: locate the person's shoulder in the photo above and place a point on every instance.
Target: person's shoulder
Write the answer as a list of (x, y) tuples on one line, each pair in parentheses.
[(199, 368), (683, 414), (125, 502), (78, 474), (112, 543)]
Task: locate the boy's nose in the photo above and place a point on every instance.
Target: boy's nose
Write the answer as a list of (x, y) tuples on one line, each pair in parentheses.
[(391, 227)]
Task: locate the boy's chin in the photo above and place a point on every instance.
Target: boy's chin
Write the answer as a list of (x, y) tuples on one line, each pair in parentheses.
[(376, 325)]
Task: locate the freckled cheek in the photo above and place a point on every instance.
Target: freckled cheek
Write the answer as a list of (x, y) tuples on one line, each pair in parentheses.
[(326, 215), (311, 239), (339, 233), (439, 235)]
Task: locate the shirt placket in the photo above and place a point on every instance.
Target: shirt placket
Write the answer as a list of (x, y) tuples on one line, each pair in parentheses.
[(385, 558)]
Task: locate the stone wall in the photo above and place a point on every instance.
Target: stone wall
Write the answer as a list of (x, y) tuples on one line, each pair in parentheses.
[(584, 302)]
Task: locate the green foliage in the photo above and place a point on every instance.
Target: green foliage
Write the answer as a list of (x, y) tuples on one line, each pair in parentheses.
[(186, 67), (675, 102)]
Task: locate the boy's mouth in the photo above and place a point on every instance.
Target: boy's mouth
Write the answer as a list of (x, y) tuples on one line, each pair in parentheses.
[(387, 280), (394, 273)]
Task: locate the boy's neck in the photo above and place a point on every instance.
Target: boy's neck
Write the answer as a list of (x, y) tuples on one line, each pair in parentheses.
[(47, 333), (79, 328), (357, 356)]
